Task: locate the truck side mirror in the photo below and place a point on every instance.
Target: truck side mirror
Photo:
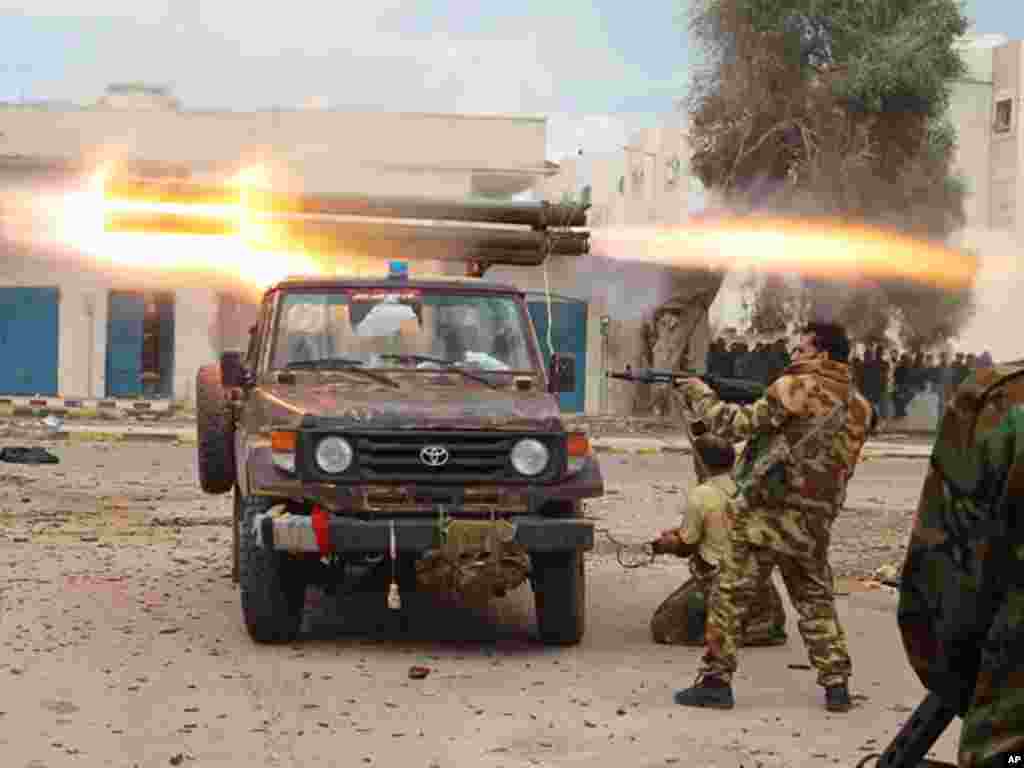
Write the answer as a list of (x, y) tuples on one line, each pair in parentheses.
[(562, 373), (232, 373)]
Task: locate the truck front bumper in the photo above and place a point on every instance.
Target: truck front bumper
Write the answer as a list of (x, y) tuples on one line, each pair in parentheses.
[(326, 534)]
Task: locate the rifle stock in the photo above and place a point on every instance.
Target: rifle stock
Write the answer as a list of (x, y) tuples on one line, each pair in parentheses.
[(741, 391), (918, 734)]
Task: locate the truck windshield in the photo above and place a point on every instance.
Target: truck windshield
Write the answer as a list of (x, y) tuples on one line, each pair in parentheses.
[(403, 329)]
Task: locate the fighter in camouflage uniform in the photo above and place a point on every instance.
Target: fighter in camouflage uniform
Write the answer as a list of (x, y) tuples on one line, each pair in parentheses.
[(703, 538), (786, 518), (961, 608)]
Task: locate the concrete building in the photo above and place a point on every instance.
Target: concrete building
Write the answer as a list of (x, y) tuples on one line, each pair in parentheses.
[(86, 331), (985, 110), (972, 114), (1006, 152)]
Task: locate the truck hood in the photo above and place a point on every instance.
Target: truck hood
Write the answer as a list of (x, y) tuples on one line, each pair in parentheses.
[(370, 407)]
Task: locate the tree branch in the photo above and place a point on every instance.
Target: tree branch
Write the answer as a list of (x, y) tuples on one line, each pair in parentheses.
[(742, 155), (739, 154)]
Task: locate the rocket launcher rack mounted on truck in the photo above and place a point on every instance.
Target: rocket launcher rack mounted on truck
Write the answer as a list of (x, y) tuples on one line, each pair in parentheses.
[(461, 475), (486, 234)]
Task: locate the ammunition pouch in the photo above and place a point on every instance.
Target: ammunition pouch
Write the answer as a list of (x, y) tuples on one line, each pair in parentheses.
[(477, 560)]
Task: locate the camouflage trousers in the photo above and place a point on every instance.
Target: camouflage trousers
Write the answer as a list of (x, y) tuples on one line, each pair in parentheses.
[(993, 727), (680, 619), (811, 589)]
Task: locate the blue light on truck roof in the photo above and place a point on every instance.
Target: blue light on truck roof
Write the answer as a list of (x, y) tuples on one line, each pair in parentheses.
[(398, 269)]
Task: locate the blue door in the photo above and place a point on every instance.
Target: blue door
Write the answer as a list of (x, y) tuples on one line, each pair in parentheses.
[(29, 334), (165, 309), (125, 318), (569, 337)]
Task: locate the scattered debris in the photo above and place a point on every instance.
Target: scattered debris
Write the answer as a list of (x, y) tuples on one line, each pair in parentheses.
[(418, 673)]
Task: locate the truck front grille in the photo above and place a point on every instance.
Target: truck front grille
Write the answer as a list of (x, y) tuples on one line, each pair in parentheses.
[(470, 458)]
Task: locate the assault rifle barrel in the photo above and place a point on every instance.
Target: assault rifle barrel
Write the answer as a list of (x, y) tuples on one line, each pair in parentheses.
[(732, 390)]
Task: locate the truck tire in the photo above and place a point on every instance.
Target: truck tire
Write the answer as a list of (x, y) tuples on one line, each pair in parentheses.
[(215, 433), (273, 585), (236, 524), (559, 593)]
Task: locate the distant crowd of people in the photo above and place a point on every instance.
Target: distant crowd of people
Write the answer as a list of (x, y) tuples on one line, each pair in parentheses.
[(889, 379), (890, 383)]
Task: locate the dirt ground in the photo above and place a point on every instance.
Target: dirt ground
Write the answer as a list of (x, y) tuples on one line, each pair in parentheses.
[(121, 643)]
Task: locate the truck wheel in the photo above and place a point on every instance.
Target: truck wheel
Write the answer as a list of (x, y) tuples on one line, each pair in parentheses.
[(273, 584), (215, 433), (236, 524), (559, 592)]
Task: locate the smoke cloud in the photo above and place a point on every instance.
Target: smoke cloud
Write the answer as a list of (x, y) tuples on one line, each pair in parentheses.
[(629, 289), (916, 313)]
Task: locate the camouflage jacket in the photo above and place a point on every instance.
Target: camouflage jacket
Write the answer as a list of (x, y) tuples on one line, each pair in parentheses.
[(961, 606), (817, 474)]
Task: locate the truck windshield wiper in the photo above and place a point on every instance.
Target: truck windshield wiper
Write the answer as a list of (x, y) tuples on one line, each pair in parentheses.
[(343, 364), (450, 365)]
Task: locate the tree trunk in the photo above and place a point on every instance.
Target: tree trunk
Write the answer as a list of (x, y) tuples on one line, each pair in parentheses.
[(675, 337)]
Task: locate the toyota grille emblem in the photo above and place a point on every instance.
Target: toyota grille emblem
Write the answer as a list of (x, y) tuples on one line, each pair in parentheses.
[(434, 455)]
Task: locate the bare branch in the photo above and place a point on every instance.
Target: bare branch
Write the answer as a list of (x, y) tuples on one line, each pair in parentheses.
[(743, 155), (731, 178)]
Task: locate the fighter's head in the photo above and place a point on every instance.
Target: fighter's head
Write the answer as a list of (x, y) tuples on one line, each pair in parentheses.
[(823, 341)]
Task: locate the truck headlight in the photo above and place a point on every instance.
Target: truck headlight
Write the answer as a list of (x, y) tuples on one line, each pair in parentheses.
[(530, 457), (334, 455)]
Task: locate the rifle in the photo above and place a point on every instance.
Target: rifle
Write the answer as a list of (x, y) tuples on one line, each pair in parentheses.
[(743, 391), (918, 734), (731, 390)]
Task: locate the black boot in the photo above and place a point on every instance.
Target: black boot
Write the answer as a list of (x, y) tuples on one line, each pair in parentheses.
[(709, 692), (837, 698)]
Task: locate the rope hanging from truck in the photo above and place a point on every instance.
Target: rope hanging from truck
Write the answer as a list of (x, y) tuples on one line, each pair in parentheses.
[(566, 225)]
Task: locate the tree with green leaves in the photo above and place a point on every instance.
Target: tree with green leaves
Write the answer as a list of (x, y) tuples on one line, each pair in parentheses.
[(836, 108)]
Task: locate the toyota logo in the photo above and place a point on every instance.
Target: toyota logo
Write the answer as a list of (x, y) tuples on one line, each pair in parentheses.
[(434, 455)]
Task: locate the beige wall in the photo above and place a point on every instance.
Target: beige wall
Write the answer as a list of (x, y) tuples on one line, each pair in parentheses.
[(652, 192), (321, 151), (970, 112), (195, 339), (1006, 148)]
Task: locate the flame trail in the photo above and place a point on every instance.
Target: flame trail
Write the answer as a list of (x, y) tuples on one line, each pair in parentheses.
[(222, 233), (813, 248)]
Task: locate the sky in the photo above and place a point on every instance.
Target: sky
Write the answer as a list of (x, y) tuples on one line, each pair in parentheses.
[(598, 70)]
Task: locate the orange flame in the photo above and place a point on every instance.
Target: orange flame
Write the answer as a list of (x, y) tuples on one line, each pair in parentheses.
[(818, 248), (216, 233), (221, 240)]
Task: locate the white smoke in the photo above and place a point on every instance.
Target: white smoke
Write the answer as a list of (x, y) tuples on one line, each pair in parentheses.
[(629, 289)]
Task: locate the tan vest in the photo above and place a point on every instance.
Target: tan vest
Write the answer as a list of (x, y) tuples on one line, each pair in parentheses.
[(709, 518)]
